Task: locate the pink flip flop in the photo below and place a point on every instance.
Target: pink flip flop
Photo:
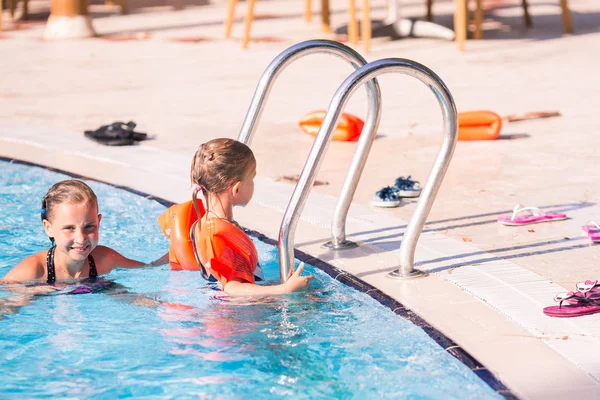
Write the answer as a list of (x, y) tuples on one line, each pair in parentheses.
[(593, 231), (533, 216), (590, 289), (584, 306)]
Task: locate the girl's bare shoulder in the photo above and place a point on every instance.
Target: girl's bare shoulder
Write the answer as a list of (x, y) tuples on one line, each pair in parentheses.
[(30, 269)]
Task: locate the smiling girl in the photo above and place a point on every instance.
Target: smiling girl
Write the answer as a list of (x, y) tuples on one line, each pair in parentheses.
[(71, 221)]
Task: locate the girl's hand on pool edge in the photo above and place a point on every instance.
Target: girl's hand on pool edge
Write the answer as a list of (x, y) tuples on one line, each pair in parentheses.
[(296, 282)]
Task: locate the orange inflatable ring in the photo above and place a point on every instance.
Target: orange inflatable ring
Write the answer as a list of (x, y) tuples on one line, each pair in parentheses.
[(479, 125), (348, 129), (229, 250)]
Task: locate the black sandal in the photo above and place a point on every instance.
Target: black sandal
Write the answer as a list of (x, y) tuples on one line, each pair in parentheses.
[(116, 134)]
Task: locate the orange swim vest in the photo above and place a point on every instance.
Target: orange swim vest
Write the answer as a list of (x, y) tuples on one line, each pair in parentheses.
[(225, 246)]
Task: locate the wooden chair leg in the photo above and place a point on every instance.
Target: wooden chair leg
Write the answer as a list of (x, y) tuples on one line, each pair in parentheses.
[(123, 4), (248, 23), (352, 23), (478, 20), (365, 26), (307, 10), (467, 16), (566, 15), (526, 15), (11, 7), (429, 16), (25, 16), (460, 23), (229, 19), (325, 17)]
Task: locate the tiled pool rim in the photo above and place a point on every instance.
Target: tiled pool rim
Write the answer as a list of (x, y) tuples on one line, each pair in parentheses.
[(346, 278)]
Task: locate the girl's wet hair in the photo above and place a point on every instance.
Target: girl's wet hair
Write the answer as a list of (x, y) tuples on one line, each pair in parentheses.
[(69, 191), (219, 164)]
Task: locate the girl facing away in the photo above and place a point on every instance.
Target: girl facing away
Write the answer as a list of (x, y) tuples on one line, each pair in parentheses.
[(224, 170), (71, 220)]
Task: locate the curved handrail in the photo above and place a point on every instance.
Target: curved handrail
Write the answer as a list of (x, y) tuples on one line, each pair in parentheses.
[(315, 157), (365, 141), (290, 55)]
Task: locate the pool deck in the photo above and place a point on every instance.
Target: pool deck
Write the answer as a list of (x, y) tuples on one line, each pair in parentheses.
[(488, 282)]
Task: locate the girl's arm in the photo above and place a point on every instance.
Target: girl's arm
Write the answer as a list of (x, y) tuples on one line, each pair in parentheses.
[(112, 259), (295, 283)]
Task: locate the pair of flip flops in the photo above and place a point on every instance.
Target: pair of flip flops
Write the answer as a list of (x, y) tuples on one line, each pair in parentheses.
[(585, 301), (533, 215), (390, 196), (116, 134), (529, 215)]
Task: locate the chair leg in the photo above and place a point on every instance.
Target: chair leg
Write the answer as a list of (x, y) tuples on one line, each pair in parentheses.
[(352, 24), (526, 15), (229, 20), (365, 26), (307, 10), (460, 19), (467, 15), (566, 15), (11, 8), (429, 16), (123, 4), (325, 17), (248, 23), (25, 16), (478, 20)]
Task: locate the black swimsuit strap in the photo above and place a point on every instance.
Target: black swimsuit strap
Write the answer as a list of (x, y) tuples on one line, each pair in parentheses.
[(203, 271), (52, 271), (93, 272), (50, 266)]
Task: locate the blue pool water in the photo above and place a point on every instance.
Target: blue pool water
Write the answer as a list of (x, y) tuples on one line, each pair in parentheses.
[(161, 334)]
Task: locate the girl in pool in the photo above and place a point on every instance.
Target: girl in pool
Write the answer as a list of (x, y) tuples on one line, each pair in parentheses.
[(224, 170), (71, 221)]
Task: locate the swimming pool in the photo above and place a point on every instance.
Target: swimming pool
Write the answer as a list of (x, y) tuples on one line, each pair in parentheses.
[(162, 334)]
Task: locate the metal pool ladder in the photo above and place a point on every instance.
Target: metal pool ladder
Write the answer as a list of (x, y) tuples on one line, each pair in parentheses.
[(366, 73)]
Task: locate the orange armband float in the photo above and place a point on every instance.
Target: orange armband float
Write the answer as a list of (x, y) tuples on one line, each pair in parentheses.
[(348, 129), (176, 223), (479, 125)]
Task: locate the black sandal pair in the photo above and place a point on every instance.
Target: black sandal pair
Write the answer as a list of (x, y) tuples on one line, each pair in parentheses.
[(116, 134)]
